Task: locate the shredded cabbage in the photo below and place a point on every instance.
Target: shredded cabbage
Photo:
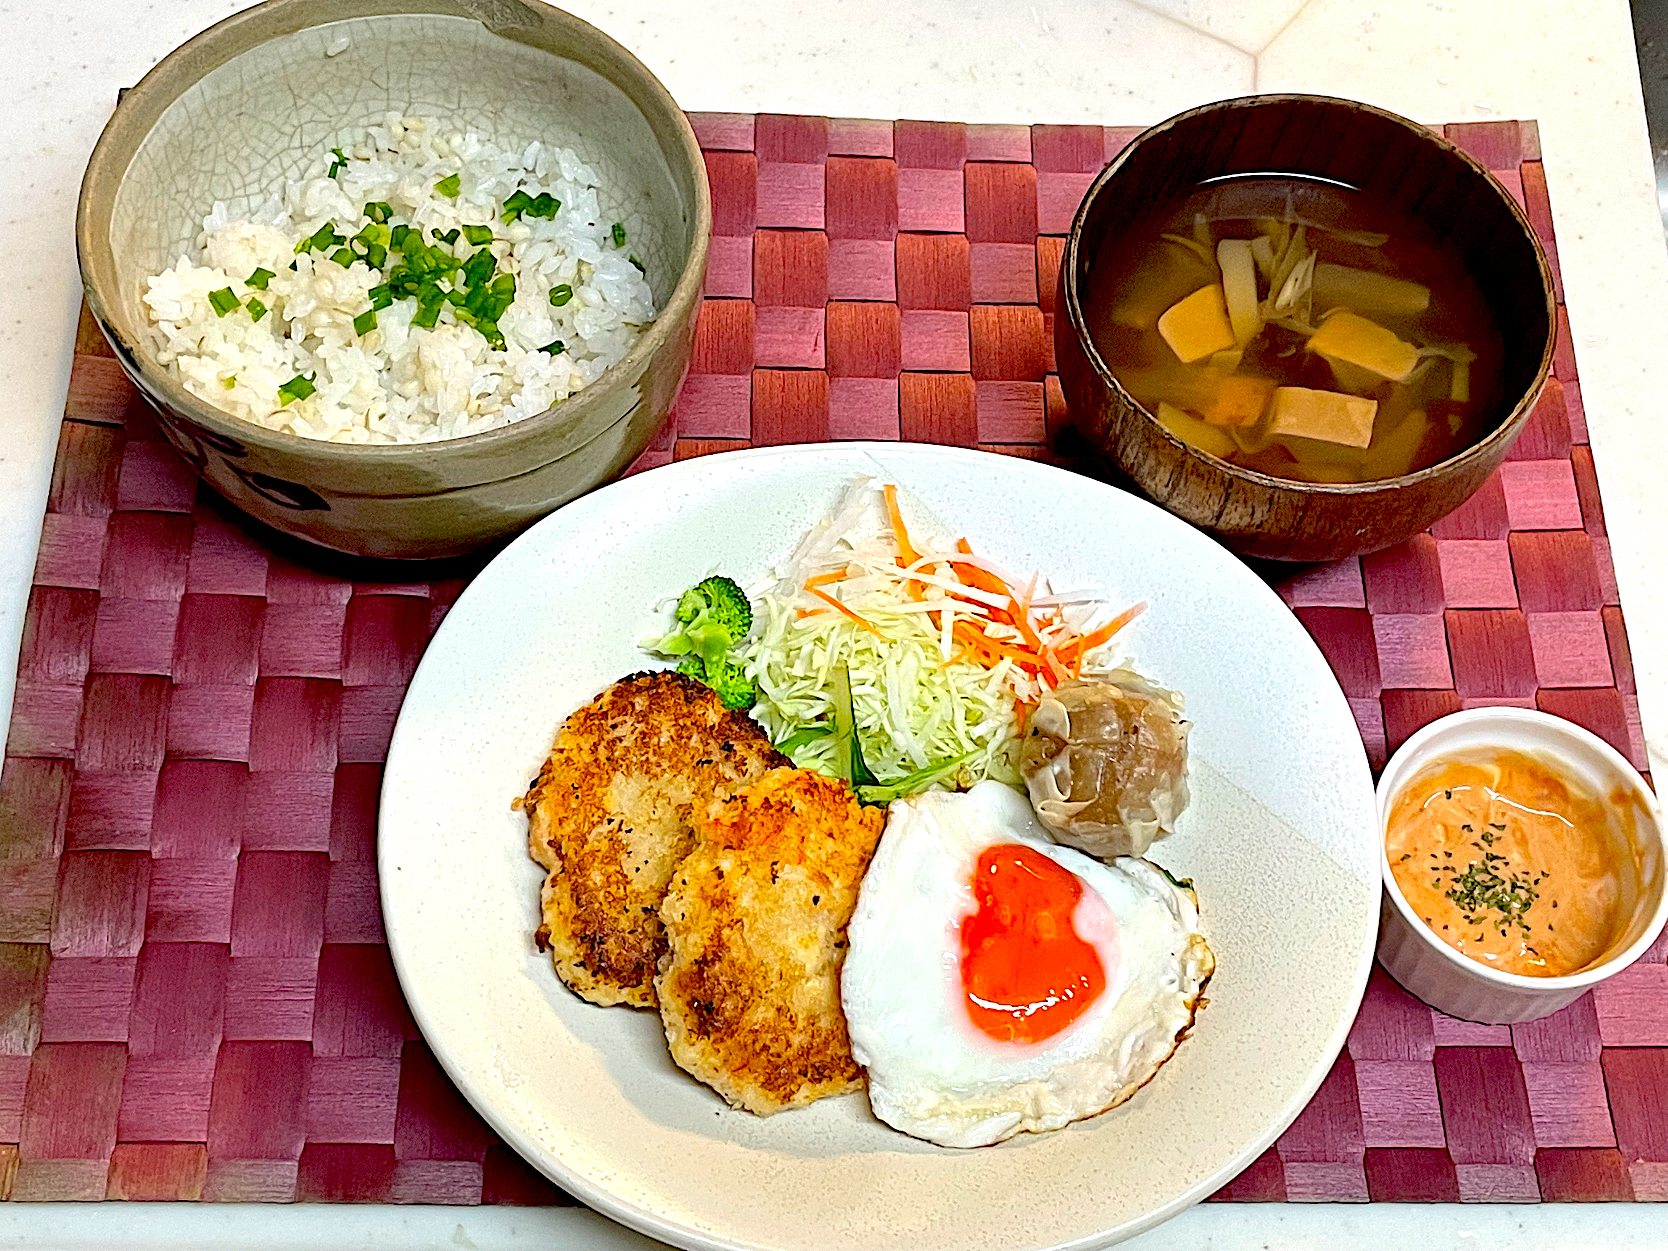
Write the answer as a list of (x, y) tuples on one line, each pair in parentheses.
[(924, 691), (910, 708)]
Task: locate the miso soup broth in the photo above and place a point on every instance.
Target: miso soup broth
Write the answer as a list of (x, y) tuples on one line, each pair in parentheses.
[(1291, 326)]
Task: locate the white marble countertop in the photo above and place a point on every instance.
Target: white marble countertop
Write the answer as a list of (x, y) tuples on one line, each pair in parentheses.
[(1117, 62)]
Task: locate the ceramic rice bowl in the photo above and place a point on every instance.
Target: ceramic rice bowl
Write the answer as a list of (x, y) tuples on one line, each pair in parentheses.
[(232, 113)]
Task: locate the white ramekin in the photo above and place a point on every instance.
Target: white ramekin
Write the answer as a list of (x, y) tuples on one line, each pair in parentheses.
[(1436, 972)]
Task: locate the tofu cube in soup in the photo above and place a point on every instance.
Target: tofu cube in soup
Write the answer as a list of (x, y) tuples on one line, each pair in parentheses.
[(1354, 340), (1198, 325), (1323, 415)]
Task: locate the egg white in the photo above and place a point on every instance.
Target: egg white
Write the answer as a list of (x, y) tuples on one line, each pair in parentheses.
[(932, 1073)]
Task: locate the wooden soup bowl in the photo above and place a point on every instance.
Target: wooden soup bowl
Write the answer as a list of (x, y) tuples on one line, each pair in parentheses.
[(1385, 157)]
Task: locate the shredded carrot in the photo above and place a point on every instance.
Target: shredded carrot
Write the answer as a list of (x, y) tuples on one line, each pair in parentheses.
[(1022, 711), (1036, 656), (975, 576), (1046, 654), (907, 555), (999, 616), (991, 657), (1022, 622), (1030, 593), (976, 645), (1056, 669), (803, 613), (983, 580), (823, 579), (839, 607), (983, 642), (1076, 651)]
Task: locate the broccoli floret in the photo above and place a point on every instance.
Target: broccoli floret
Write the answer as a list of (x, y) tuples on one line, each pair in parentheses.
[(704, 640), (724, 603), (734, 688), (713, 616)]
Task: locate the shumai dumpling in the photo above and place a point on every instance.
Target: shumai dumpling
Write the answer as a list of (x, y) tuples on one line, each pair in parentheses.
[(1105, 762)]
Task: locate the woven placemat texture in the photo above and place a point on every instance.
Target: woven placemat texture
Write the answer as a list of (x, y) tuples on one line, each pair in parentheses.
[(195, 996)]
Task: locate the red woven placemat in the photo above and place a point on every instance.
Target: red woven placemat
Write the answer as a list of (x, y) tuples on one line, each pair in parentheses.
[(195, 996)]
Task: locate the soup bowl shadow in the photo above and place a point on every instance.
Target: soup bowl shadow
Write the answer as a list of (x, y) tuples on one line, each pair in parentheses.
[(1389, 160)]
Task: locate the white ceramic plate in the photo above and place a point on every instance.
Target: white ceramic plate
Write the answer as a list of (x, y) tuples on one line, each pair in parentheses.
[(1280, 839)]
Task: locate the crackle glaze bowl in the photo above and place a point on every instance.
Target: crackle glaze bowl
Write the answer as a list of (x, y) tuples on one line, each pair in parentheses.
[(251, 100)]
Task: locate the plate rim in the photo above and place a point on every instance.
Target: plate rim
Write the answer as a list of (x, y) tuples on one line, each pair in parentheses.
[(650, 1223)]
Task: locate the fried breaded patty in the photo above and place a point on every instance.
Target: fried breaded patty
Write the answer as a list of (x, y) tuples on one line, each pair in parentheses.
[(756, 928), (609, 817)]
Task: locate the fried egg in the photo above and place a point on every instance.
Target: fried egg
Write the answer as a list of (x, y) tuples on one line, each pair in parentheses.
[(997, 982)]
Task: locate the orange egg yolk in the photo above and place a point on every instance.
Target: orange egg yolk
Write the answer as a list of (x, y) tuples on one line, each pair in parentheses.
[(1027, 972)]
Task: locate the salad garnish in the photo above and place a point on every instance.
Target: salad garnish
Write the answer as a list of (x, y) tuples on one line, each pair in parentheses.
[(885, 655)]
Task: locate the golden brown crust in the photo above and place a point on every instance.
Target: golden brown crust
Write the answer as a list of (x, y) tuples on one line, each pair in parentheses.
[(756, 926), (609, 819)]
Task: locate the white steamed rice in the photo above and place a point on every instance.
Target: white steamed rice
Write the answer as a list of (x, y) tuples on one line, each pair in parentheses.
[(398, 383)]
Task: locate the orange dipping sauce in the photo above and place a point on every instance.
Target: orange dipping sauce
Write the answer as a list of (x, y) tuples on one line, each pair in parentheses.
[(1512, 863), (1026, 971)]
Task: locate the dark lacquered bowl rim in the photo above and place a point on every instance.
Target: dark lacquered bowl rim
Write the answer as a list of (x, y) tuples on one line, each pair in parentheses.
[(1485, 449), (174, 74)]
